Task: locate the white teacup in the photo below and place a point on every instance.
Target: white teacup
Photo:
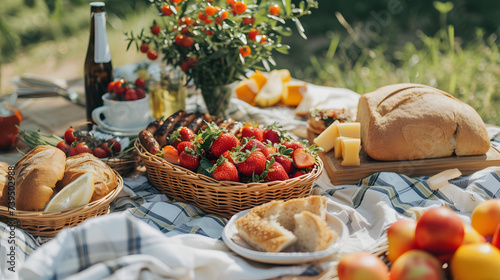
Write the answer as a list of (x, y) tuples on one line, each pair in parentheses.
[(122, 114)]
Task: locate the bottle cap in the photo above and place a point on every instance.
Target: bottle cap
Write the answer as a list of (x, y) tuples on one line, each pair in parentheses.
[(97, 4)]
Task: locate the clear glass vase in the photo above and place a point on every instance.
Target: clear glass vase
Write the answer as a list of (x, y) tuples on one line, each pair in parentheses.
[(217, 99)]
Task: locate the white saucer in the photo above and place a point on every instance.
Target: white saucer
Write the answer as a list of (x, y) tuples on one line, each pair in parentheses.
[(240, 247), (128, 132)]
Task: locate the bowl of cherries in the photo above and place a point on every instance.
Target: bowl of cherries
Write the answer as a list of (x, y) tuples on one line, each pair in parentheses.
[(122, 90)]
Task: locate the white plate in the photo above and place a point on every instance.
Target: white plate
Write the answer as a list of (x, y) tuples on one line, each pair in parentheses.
[(240, 247)]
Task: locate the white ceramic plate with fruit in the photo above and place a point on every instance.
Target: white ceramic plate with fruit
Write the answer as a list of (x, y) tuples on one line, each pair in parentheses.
[(242, 248)]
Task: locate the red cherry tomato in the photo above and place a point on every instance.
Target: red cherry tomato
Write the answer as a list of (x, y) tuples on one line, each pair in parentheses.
[(245, 51), (119, 87), (140, 93), (202, 16), (165, 9), (69, 135), (253, 34), (155, 29), (144, 48), (248, 20), (240, 7), (82, 147), (187, 41), (140, 82), (63, 146), (185, 66), (152, 54), (130, 94), (99, 152), (178, 39), (263, 40), (210, 11), (115, 146)]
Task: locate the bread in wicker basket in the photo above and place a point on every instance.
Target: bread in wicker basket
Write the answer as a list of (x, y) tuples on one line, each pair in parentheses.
[(48, 224), (223, 198)]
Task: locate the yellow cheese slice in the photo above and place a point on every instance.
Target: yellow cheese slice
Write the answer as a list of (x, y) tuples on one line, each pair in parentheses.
[(338, 146), (350, 152), (247, 90), (285, 75), (259, 78), (293, 92), (350, 129), (326, 139)]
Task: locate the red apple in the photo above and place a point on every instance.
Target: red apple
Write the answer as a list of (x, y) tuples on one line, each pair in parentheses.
[(401, 238), (416, 265), (439, 231), (361, 266)]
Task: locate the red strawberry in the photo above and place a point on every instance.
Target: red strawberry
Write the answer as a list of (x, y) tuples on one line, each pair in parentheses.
[(189, 160), (293, 145), (258, 145), (226, 172), (276, 173), (171, 154), (131, 94), (255, 163), (186, 134), (302, 159), (297, 174), (252, 131), (272, 136), (185, 144), (285, 162), (225, 142), (140, 93)]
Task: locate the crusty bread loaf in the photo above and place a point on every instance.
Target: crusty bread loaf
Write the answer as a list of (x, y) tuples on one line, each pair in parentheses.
[(269, 227), (105, 179), (312, 232), (4, 184), (36, 176), (412, 121)]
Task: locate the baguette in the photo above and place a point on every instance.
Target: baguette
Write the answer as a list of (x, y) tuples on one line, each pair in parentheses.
[(412, 121), (105, 180), (36, 176)]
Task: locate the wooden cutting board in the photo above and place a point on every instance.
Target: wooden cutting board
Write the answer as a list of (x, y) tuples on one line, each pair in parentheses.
[(340, 175)]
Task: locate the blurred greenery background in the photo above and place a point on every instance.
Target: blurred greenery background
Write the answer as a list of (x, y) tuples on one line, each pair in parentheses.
[(360, 45)]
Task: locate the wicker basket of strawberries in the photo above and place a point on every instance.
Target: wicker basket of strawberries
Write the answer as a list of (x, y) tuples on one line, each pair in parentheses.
[(223, 166)]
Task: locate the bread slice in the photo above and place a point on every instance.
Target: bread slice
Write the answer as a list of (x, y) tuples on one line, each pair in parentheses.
[(312, 232), (269, 227), (314, 204), (264, 234), (412, 121)]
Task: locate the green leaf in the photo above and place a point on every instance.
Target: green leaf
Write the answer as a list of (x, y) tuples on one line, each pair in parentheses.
[(283, 30), (283, 49), (205, 167), (218, 54), (287, 4), (300, 28)]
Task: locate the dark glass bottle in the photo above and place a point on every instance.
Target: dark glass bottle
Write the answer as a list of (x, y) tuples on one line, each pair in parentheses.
[(98, 69)]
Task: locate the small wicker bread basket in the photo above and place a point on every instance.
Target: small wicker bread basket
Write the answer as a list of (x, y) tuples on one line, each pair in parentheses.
[(223, 198), (48, 224)]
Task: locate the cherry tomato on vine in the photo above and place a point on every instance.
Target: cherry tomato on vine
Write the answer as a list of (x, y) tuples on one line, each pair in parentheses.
[(202, 16), (253, 34), (187, 41), (185, 66), (69, 135), (230, 2), (274, 9), (144, 48), (118, 87), (240, 7), (63, 146), (178, 39), (152, 54), (99, 152), (165, 9), (245, 51), (263, 40), (176, 1), (210, 32), (82, 147), (155, 29)]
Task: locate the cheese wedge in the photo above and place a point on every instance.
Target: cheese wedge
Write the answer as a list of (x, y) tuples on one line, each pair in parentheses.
[(350, 152), (293, 92), (247, 91), (270, 94), (338, 146), (350, 129), (326, 139), (259, 78)]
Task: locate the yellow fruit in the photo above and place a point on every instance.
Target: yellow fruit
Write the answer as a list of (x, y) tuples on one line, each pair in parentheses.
[(247, 90), (486, 217), (472, 236), (270, 94), (75, 194), (259, 78), (479, 261), (285, 75), (293, 93)]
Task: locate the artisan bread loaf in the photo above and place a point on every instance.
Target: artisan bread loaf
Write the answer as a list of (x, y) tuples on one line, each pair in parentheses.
[(105, 180), (412, 121), (312, 232), (36, 176), (4, 184), (269, 227)]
